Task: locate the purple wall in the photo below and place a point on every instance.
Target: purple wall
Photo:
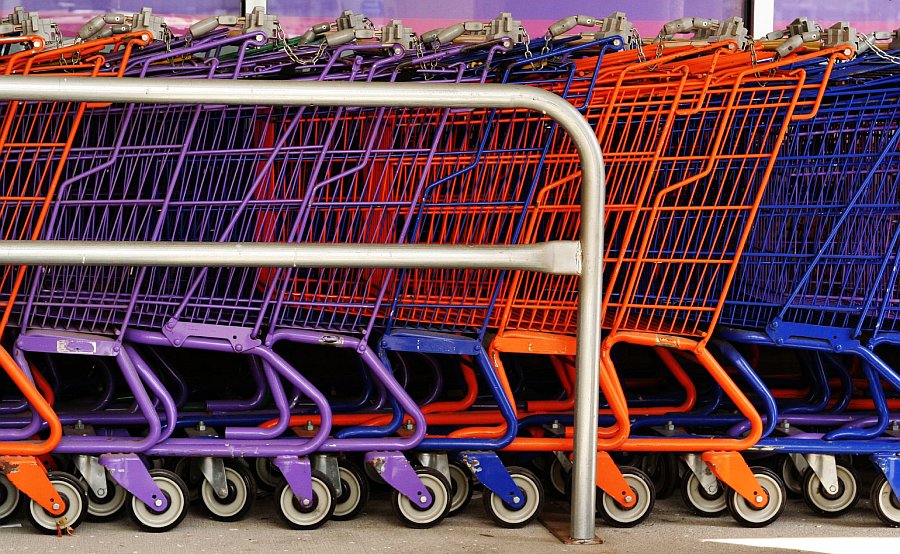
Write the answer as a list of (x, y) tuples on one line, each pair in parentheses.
[(421, 15), (866, 15)]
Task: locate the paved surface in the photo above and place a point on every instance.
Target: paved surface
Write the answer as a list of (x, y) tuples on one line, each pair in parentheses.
[(669, 531)]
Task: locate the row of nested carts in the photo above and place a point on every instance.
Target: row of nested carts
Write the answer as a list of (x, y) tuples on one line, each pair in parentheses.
[(749, 303)]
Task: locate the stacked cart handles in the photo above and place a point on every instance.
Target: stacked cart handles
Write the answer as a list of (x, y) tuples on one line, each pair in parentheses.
[(312, 381)]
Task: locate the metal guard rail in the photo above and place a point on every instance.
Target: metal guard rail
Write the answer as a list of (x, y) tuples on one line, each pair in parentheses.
[(583, 257)]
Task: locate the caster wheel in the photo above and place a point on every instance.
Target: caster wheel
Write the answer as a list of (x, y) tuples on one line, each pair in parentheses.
[(108, 506), (791, 477), (354, 493), (885, 502), (305, 518), (831, 504), (239, 499), (157, 463), (268, 478), (188, 470), (75, 497), (423, 518), (9, 500), (461, 487), (505, 515), (557, 478), (175, 491), (617, 515), (662, 468), (374, 478), (699, 500), (750, 516)]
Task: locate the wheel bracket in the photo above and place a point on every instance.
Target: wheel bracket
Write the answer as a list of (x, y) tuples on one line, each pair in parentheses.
[(490, 471), (731, 469), (130, 473), (28, 474), (825, 468), (298, 473), (328, 465), (397, 472), (94, 473), (702, 472), (611, 481), (890, 465)]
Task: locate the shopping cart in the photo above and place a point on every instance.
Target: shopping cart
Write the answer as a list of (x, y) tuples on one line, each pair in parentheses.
[(818, 275), (36, 140), (670, 226), (452, 309), (449, 312)]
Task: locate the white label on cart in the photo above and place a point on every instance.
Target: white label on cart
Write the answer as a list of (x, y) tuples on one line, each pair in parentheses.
[(76, 346)]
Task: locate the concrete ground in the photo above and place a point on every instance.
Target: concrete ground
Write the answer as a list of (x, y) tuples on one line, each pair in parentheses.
[(670, 530)]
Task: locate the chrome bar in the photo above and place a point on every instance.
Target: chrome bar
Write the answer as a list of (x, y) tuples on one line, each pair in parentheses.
[(560, 257)]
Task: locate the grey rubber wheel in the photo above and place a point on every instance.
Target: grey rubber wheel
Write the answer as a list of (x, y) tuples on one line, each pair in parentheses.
[(461, 487), (532, 492), (109, 506), (615, 514), (836, 503), (9, 500), (751, 516), (791, 477), (885, 502), (239, 499), (422, 518), (354, 493), (306, 517), (72, 494), (700, 501), (175, 491)]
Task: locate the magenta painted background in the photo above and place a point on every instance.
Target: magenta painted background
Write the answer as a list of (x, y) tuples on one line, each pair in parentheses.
[(421, 15), (866, 15)]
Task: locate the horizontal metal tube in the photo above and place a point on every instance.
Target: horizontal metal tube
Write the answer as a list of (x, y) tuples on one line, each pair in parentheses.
[(280, 93), (559, 257)]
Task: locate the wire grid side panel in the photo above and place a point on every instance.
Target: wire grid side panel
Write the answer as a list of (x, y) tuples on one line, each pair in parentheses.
[(825, 241), (692, 229), (33, 137), (365, 193), (480, 198), (143, 161), (633, 123)]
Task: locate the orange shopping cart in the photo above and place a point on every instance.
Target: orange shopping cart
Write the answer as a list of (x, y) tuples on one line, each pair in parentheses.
[(35, 141), (689, 139)]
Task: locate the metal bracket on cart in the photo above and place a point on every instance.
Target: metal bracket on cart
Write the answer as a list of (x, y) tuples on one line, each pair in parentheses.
[(825, 468), (438, 461), (29, 475), (731, 469), (890, 465), (298, 473), (93, 472), (213, 470), (611, 481), (397, 472), (490, 471), (708, 480), (240, 338), (329, 466), (130, 473)]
